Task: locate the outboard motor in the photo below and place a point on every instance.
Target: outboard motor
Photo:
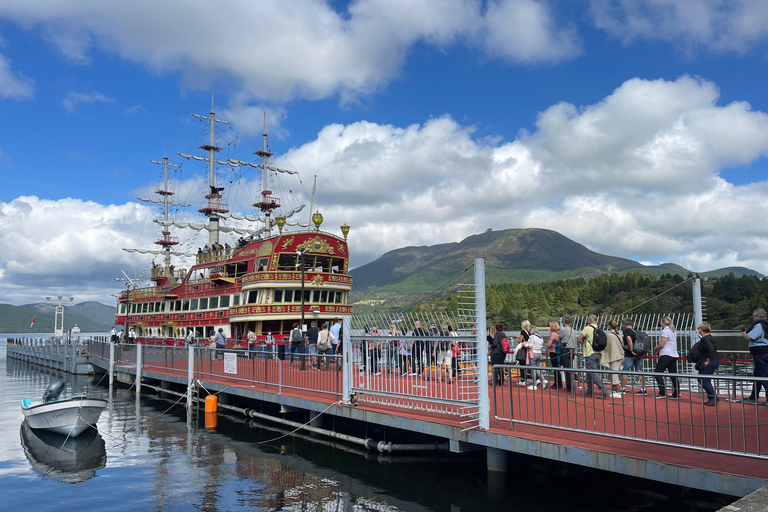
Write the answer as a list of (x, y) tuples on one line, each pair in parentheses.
[(55, 388)]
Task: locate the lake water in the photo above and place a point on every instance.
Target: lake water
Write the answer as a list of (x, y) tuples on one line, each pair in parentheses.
[(146, 457)]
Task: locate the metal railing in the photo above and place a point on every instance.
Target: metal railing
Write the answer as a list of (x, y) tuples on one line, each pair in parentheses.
[(731, 426), (411, 360), (239, 367)]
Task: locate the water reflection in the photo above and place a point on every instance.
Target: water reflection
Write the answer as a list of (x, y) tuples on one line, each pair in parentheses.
[(72, 460)]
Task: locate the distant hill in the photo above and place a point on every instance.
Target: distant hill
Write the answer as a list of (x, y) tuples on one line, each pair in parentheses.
[(89, 317), (736, 271), (511, 255)]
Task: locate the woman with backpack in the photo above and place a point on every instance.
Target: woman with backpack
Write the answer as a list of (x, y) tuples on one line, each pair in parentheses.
[(555, 351)]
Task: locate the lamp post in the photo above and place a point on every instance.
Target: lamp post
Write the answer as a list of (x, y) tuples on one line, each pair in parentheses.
[(301, 262), (345, 231)]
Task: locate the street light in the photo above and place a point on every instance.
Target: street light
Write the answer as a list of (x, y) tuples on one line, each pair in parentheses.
[(301, 254)]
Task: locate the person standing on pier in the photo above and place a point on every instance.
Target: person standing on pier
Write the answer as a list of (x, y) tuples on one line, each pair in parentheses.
[(555, 350), (709, 362), (418, 348), (335, 328), (311, 342), (592, 359), (757, 335), (667, 350), (297, 344), (221, 343), (568, 347), (497, 353)]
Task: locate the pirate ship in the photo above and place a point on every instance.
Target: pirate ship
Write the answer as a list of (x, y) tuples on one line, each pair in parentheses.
[(277, 273)]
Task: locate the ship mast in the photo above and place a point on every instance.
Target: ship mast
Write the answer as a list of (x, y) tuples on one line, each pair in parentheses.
[(268, 201), (167, 241), (214, 206)]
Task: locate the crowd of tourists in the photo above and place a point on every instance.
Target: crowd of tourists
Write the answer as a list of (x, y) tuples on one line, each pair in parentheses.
[(621, 349)]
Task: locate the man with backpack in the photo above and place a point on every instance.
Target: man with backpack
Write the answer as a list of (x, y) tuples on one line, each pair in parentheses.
[(594, 341), (297, 344), (634, 350)]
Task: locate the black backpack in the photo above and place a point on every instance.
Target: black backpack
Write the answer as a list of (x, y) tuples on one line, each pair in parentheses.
[(599, 339), (641, 343), (694, 355)]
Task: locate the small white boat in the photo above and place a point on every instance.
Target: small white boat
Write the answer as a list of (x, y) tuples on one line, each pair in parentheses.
[(68, 416)]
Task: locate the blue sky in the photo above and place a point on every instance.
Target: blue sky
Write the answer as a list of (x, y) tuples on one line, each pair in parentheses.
[(637, 128)]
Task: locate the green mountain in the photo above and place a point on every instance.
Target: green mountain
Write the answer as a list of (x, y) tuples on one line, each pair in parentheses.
[(89, 317), (512, 255)]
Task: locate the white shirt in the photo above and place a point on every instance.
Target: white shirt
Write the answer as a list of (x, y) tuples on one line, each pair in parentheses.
[(670, 347), (335, 328)]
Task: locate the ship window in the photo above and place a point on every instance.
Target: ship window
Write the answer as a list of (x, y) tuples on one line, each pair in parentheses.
[(288, 295), (307, 295), (338, 298), (322, 264), (204, 303), (145, 307), (214, 303), (178, 305), (151, 307), (337, 264), (160, 307), (316, 296), (278, 296), (253, 297), (224, 301), (324, 296), (193, 305), (288, 261), (236, 299), (185, 305), (122, 309), (262, 264)]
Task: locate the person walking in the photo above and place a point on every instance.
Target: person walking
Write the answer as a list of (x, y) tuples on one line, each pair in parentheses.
[(631, 358), (613, 356), (709, 362), (757, 335), (455, 354), (667, 350), (522, 355), (221, 343), (297, 345), (537, 345), (555, 350), (568, 340), (404, 358), (592, 359), (443, 347), (417, 351)]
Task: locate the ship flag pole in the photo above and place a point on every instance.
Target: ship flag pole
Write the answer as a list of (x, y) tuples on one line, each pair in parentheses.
[(268, 201)]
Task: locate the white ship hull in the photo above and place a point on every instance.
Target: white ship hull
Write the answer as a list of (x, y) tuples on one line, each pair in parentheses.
[(68, 417)]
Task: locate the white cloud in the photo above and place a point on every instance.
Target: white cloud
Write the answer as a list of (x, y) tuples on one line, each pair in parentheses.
[(73, 99), (730, 26), (525, 31), (276, 51), (634, 175), (135, 109), (13, 86)]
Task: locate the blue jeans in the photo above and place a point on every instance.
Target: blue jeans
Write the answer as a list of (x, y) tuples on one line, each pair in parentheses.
[(590, 363), (635, 362), (299, 349), (710, 369), (761, 370)]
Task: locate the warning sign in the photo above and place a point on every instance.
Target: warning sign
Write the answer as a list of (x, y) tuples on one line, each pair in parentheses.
[(230, 363)]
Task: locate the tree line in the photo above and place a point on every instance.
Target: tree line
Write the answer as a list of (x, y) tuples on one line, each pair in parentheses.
[(728, 300)]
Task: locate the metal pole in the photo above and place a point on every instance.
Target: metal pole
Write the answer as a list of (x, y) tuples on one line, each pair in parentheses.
[(139, 363), (482, 345), (346, 359), (698, 312), (190, 375), (301, 349), (111, 365)]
